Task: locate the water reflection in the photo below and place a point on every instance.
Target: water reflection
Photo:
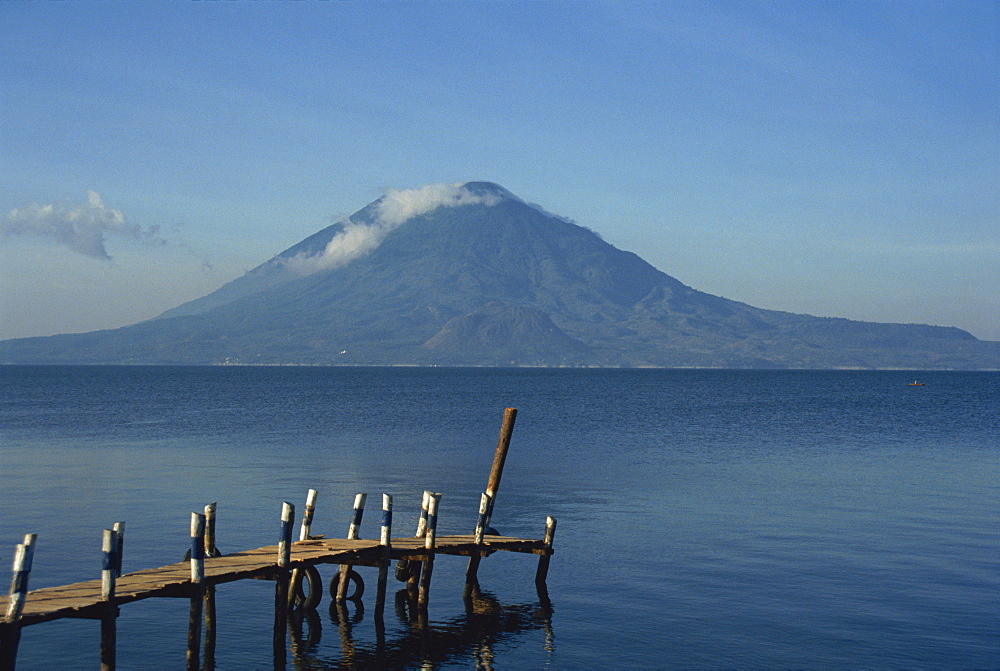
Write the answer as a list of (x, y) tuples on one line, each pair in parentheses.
[(305, 630), (485, 624)]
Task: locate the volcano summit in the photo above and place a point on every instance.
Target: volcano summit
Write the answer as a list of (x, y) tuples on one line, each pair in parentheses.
[(469, 274)]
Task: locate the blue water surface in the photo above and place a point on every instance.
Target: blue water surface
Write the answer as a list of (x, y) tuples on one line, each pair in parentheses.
[(706, 519)]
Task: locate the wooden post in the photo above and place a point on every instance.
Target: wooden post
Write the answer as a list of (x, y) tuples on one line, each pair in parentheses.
[(383, 567), (10, 629), (543, 561), (114, 540), (490, 497), (352, 534), (485, 503), (108, 574), (499, 457), (414, 566), (20, 571), (304, 531), (422, 521), (429, 541), (109, 639), (282, 593), (208, 659), (119, 529), (210, 549), (285, 539), (201, 540), (359, 510), (386, 532), (194, 625), (110, 569), (197, 548), (471, 572), (202, 610), (307, 517)]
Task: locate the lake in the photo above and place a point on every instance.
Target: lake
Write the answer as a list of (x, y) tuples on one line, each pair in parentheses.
[(706, 518)]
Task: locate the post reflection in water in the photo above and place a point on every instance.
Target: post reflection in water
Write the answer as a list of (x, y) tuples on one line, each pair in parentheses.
[(305, 628), (473, 635)]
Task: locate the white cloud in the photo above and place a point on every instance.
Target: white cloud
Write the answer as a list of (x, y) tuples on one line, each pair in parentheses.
[(394, 208), (83, 228), (400, 205)]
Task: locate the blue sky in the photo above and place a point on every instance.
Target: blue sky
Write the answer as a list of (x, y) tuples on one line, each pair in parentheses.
[(832, 158)]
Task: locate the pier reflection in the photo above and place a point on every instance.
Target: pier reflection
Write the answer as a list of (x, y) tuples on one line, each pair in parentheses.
[(486, 623)]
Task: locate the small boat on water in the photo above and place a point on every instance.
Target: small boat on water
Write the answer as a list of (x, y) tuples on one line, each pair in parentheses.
[(916, 384)]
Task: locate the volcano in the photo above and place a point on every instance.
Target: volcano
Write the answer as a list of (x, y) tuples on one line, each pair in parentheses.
[(471, 275)]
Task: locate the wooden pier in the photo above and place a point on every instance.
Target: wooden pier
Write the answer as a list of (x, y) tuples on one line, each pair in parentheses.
[(291, 564)]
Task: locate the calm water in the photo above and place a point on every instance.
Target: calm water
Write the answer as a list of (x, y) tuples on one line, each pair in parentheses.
[(706, 518)]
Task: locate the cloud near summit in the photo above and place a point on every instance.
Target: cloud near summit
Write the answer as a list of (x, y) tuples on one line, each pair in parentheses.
[(394, 208), (82, 227)]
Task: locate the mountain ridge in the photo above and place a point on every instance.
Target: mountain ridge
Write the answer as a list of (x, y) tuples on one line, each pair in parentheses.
[(470, 274)]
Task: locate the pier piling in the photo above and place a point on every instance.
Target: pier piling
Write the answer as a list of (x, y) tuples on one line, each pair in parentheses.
[(21, 570), (300, 596), (283, 596), (307, 516), (109, 543), (111, 564), (10, 628), (285, 534), (543, 560), (409, 570), (197, 548), (385, 542), (209, 544), (430, 536), (352, 534), (119, 529), (471, 573)]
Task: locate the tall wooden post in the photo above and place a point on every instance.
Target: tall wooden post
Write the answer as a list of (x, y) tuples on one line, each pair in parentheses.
[(490, 497), (496, 471)]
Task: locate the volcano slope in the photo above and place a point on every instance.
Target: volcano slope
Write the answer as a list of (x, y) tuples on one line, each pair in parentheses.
[(471, 275)]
